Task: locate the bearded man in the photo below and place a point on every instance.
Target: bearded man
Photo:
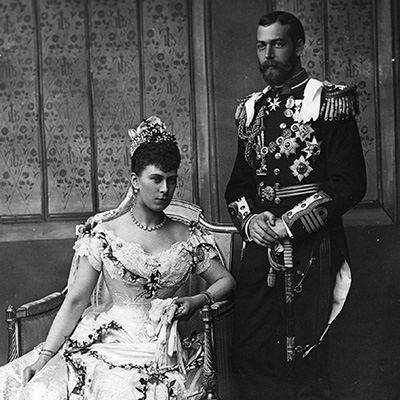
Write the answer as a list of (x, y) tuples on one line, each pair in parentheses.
[(299, 168)]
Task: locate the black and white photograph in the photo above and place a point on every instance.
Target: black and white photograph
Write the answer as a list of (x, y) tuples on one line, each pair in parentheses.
[(199, 200)]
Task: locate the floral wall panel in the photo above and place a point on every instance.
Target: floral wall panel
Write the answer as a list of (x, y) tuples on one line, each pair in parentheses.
[(66, 106), (76, 75), (115, 66), (20, 178), (166, 77)]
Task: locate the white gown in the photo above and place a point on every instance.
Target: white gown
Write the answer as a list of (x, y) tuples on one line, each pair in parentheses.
[(127, 348)]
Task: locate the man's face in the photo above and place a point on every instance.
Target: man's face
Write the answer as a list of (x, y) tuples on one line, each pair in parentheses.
[(278, 56)]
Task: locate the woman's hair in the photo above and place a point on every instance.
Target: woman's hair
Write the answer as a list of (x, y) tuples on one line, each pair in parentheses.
[(284, 18), (164, 155)]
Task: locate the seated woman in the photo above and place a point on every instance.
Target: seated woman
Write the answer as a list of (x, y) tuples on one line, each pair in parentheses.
[(129, 346)]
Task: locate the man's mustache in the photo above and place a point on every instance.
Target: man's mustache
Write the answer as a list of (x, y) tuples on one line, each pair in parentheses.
[(268, 64)]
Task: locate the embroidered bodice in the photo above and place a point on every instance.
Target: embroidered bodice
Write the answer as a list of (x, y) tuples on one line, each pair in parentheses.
[(133, 275)]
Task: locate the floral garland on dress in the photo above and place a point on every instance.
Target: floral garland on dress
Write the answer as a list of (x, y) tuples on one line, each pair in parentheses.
[(161, 311), (151, 284)]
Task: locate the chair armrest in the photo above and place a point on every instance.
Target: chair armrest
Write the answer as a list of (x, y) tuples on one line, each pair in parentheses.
[(28, 324), (222, 308), (41, 306)]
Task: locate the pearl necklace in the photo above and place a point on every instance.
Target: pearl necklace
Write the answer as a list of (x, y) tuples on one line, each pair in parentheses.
[(145, 227)]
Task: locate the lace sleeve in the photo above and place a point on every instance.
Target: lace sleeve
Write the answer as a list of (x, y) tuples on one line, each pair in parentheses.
[(203, 249), (90, 246)]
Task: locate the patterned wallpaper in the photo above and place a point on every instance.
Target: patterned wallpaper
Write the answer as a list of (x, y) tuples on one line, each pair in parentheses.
[(20, 148), (115, 68), (66, 119), (167, 76), (75, 76)]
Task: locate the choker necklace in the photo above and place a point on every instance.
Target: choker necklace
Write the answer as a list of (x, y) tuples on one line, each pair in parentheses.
[(145, 227)]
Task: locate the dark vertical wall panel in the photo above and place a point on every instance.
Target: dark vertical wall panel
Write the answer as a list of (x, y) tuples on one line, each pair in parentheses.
[(30, 270), (234, 74), (364, 344)]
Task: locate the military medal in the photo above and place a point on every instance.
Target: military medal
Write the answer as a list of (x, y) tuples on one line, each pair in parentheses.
[(288, 113), (271, 278), (301, 168), (290, 102), (262, 151), (313, 148)]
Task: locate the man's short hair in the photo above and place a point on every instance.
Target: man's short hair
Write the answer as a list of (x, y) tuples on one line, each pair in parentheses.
[(284, 18)]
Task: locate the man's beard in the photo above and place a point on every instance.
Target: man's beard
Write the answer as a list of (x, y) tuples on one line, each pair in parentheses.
[(276, 73)]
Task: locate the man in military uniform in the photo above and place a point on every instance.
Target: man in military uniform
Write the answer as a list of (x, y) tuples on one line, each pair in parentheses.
[(299, 168)]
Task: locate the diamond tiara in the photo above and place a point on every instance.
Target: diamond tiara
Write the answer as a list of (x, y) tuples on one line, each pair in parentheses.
[(151, 130)]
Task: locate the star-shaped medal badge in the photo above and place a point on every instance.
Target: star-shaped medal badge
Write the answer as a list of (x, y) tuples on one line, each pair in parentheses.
[(313, 148), (274, 103), (288, 146), (304, 131), (301, 168)]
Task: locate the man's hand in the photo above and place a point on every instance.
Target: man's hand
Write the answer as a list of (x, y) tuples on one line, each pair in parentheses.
[(265, 229)]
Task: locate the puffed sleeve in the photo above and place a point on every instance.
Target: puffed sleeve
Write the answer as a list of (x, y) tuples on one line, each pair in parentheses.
[(203, 249), (90, 246)]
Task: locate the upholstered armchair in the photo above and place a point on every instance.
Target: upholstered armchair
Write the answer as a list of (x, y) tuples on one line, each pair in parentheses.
[(28, 324)]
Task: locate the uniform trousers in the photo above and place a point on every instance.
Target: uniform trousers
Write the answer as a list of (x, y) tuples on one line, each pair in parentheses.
[(259, 337)]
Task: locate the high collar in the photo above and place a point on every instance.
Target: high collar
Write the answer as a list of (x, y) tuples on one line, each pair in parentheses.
[(293, 83)]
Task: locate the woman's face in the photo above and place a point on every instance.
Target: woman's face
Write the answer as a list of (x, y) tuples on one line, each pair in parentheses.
[(155, 187)]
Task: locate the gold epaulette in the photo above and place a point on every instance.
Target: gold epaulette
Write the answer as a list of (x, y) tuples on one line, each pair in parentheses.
[(338, 102)]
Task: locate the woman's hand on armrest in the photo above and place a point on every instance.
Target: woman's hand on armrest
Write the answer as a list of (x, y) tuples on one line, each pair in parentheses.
[(187, 306)]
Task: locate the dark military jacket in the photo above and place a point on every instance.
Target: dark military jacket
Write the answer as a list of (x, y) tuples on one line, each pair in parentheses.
[(307, 172)]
